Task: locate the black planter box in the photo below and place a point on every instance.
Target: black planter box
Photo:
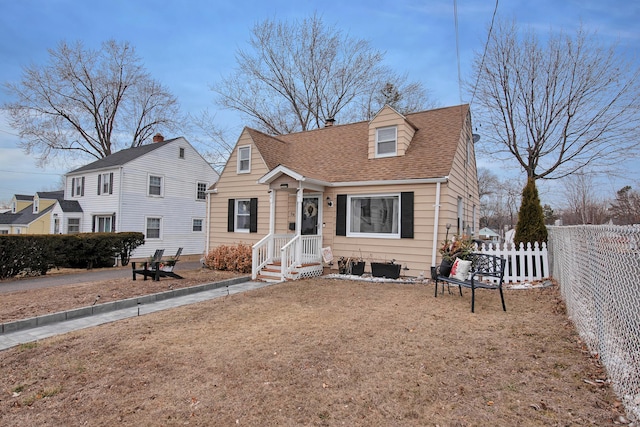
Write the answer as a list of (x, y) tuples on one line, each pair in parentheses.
[(385, 269), (357, 268)]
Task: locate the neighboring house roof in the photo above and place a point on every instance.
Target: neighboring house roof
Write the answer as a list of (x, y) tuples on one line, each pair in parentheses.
[(52, 195), (122, 157), (24, 217), (70, 206), (339, 153), (488, 232), (24, 197)]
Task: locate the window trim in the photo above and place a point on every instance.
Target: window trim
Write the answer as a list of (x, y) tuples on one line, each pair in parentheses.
[(77, 186), (204, 192), (236, 214), (193, 221), (396, 235), (395, 141), (146, 227), (96, 223), (149, 176), (240, 159), (74, 219)]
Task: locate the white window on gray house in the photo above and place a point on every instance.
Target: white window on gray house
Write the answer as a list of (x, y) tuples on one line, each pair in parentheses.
[(201, 190), (197, 224), (243, 215), (375, 216), (153, 228), (155, 185), (73, 225), (386, 141), (77, 187), (102, 224), (105, 183), (244, 159)]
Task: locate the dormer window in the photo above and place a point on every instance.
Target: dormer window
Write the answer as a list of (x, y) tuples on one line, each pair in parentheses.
[(244, 159), (36, 205), (386, 141)]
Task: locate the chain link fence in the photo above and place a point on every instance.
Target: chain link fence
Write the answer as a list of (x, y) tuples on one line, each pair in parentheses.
[(598, 269)]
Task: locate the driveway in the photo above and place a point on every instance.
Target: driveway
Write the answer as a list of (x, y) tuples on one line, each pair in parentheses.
[(55, 279)]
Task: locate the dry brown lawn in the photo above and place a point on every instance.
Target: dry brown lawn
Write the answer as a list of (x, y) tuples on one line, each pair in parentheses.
[(319, 352)]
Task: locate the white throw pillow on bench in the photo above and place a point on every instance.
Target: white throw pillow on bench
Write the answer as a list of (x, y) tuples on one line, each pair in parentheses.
[(460, 269)]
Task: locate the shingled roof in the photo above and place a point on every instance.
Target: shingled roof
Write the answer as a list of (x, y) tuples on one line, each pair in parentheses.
[(339, 153), (122, 157)]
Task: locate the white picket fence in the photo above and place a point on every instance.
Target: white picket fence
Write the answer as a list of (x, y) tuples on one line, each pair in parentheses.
[(524, 263)]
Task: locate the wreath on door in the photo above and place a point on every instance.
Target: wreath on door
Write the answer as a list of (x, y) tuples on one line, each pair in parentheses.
[(310, 209)]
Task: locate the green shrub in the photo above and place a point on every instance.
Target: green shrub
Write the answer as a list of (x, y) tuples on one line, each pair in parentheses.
[(230, 258), (36, 254)]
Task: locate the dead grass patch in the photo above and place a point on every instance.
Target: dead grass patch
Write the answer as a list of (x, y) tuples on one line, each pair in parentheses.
[(319, 352)]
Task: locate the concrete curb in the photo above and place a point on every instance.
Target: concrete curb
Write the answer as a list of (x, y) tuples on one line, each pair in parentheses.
[(76, 313)]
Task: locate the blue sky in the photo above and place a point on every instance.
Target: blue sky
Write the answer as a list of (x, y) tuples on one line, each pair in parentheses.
[(188, 44)]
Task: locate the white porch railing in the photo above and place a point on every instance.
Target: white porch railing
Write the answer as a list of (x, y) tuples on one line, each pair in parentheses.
[(267, 251), (524, 264), (290, 250)]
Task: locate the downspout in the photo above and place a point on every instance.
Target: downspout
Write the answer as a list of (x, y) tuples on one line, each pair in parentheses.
[(436, 219), (208, 226)]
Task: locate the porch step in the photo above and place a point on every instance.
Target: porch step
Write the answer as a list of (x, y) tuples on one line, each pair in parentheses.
[(271, 272)]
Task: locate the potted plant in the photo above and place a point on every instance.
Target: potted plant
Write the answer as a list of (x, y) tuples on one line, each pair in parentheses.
[(350, 266), (390, 269), (357, 266), (458, 247)]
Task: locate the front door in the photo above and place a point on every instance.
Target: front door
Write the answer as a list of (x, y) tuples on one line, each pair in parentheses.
[(310, 215)]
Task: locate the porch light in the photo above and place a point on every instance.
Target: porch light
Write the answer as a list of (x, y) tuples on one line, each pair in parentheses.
[(329, 202)]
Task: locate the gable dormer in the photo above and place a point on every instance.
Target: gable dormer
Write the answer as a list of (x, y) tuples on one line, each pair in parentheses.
[(389, 134)]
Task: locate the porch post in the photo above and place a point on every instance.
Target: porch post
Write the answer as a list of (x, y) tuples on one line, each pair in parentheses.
[(272, 222), (299, 199)]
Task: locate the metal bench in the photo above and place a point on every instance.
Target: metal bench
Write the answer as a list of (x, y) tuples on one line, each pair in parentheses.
[(487, 272)]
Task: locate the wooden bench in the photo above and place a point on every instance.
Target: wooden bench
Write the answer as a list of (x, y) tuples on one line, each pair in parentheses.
[(157, 268), (487, 272)]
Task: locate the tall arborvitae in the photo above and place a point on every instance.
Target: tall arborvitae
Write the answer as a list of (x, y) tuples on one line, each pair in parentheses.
[(530, 227)]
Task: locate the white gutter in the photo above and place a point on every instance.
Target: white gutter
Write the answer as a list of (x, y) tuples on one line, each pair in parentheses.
[(435, 226)]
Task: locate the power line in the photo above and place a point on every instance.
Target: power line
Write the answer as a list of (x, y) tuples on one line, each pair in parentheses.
[(484, 53)]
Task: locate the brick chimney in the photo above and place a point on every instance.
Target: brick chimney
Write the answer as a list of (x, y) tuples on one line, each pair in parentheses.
[(158, 137)]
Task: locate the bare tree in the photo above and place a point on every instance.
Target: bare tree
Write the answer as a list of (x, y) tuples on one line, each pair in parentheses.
[(557, 108), (214, 141), (582, 205), (89, 102), (625, 209), (498, 200), (297, 75)]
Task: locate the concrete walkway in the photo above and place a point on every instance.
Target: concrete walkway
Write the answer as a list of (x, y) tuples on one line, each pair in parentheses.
[(36, 333)]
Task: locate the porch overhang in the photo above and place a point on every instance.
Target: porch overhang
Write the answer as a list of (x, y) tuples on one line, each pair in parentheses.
[(303, 181)]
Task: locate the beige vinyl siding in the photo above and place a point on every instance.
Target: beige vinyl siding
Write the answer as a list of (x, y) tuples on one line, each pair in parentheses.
[(414, 253), (232, 185), (385, 118), (463, 182)]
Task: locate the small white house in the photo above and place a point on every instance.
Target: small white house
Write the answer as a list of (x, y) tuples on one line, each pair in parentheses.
[(159, 189)]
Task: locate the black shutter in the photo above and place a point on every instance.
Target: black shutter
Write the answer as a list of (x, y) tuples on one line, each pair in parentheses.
[(113, 223), (341, 215), (99, 182), (253, 215), (73, 187), (93, 223), (231, 215), (111, 183), (82, 189), (406, 215)]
